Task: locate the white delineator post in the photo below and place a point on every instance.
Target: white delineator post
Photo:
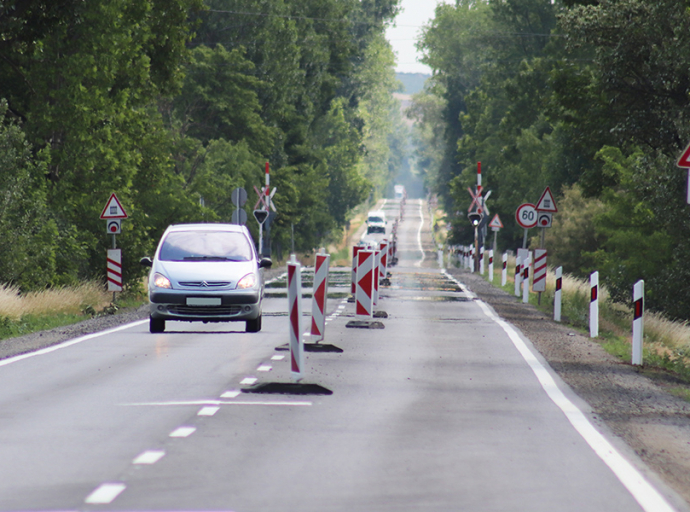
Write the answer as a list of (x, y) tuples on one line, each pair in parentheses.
[(557, 295), (364, 295), (491, 265), (594, 305), (518, 275), (525, 279), (319, 296), (481, 260), (353, 285), (294, 272), (638, 322), (504, 271)]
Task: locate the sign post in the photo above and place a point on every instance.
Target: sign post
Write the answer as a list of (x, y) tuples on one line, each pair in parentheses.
[(113, 213), (546, 207)]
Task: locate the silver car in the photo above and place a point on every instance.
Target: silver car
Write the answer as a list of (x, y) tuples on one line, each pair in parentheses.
[(208, 273)]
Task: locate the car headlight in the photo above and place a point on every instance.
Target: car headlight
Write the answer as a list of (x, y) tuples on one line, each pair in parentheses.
[(248, 281), (160, 281)]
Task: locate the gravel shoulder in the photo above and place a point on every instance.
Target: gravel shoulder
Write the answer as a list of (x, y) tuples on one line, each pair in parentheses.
[(635, 404)]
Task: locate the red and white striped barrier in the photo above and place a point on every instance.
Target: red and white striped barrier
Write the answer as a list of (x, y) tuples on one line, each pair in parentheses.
[(481, 260), (491, 265), (518, 275), (294, 292), (319, 296), (594, 305), (376, 272), (353, 285), (557, 295), (638, 322), (539, 276), (504, 272), (526, 265), (384, 246), (114, 270), (364, 295)]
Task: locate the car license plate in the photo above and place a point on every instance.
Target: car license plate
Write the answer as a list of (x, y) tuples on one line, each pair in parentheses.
[(203, 301)]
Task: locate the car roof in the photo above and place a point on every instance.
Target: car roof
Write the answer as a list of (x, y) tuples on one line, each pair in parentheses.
[(377, 213), (234, 228)]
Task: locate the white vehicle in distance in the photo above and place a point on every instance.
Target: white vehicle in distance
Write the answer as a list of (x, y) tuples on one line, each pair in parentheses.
[(376, 222), (399, 191), (206, 273)]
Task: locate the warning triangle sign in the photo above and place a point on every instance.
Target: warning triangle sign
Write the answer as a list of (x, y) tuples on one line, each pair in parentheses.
[(546, 202), (496, 222), (113, 209), (684, 160)]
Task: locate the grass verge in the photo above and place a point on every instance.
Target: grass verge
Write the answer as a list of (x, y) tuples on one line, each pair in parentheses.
[(666, 344), (24, 313)]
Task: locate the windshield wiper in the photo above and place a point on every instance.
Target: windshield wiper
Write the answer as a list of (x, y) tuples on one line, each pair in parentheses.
[(207, 258)]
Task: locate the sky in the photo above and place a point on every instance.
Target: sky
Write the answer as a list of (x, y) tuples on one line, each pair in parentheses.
[(415, 14)]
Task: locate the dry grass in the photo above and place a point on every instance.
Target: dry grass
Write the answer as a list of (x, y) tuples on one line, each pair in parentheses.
[(64, 300)]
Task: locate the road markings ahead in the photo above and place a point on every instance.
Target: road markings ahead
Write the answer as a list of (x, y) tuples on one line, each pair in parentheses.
[(211, 403), (641, 490), (419, 236), (208, 410), (105, 494)]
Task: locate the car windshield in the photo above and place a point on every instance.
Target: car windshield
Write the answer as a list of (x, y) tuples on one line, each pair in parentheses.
[(205, 246), (375, 219)]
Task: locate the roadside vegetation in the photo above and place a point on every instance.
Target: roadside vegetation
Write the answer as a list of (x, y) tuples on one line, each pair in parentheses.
[(590, 98)]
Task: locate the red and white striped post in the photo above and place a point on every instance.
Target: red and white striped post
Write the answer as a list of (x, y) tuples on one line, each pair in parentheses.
[(539, 277), (353, 286), (594, 305), (638, 322), (364, 295), (114, 268), (518, 275), (557, 296), (481, 260), (504, 271), (294, 271), (376, 272), (491, 265), (319, 296), (384, 246), (525, 279)]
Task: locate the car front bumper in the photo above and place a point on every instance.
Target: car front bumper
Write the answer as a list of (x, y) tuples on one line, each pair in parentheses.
[(176, 305)]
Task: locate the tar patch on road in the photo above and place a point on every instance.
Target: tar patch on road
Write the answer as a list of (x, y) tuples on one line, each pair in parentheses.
[(288, 388)]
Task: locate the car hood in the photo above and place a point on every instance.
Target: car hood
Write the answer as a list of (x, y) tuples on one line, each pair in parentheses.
[(209, 271)]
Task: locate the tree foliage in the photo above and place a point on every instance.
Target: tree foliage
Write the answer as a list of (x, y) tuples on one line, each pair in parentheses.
[(591, 98)]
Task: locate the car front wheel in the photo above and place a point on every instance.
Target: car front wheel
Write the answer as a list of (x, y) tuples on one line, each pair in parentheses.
[(156, 325), (254, 325)]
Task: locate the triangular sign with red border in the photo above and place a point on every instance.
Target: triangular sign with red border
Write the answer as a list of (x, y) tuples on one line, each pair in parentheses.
[(496, 222), (113, 209), (684, 160), (546, 202)]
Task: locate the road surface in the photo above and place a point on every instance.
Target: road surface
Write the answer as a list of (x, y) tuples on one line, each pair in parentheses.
[(447, 408)]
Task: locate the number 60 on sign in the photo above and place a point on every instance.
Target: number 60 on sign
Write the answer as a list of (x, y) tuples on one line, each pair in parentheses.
[(526, 215)]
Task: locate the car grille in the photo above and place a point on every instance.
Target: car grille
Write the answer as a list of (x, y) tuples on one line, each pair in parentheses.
[(204, 310), (205, 284)]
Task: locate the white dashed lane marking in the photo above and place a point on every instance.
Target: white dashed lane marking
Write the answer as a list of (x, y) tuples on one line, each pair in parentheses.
[(183, 432), (149, 457), (208, 410), (248, 381), (105, 494)]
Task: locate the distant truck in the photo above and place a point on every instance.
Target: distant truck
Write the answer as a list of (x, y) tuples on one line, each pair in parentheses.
[(399, 191)]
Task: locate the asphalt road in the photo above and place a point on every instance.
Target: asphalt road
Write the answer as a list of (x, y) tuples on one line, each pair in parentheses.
[(447, 408)]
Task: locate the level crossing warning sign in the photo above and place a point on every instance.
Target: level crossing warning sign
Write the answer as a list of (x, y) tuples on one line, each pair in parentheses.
[(113, 209)]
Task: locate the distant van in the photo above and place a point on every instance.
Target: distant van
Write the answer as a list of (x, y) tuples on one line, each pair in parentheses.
[(399, 191), (376, 222)]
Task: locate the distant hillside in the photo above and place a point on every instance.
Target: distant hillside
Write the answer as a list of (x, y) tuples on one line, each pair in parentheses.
[(412, 82)]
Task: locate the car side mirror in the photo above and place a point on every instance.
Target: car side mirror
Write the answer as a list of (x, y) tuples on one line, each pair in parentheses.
[(146, 262), (265, 263)]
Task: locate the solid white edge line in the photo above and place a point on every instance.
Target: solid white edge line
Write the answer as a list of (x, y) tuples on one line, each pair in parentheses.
[(213, 403), (641, 490), (149, 457), (69, 343), (105, 494)]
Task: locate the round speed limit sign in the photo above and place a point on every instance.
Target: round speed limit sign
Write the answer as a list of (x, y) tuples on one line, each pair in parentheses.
[(526, 215)]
